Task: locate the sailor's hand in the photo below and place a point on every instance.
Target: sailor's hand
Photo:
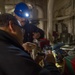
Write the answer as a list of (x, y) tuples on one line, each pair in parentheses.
[(50, 58), (29, 46)]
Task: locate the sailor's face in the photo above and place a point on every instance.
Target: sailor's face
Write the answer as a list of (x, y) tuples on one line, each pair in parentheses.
[(21, 20)]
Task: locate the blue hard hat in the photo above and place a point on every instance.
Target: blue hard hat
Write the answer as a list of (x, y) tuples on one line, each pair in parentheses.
[(22, 10)]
